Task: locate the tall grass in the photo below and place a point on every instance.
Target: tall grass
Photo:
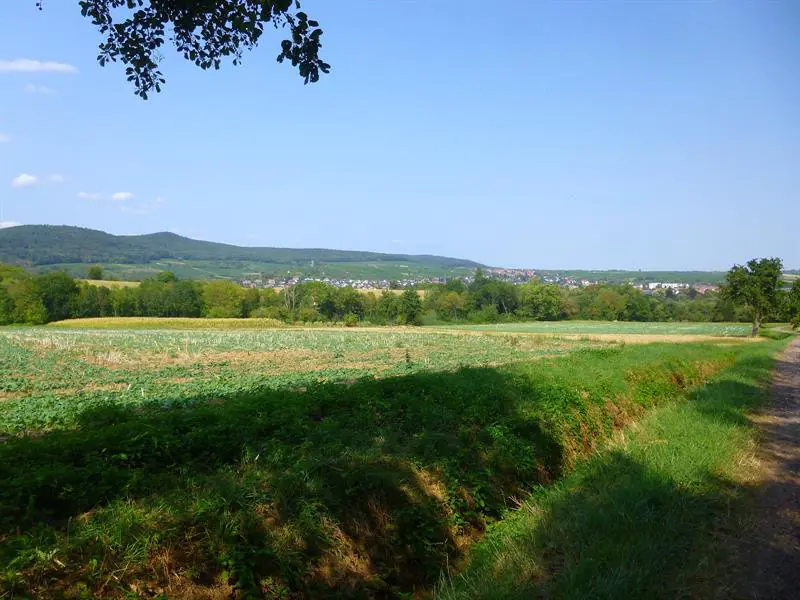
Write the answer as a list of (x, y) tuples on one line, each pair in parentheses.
[(642, 518)]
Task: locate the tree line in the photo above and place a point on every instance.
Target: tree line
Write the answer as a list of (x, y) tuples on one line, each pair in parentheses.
[(751, 294), (54, 296)]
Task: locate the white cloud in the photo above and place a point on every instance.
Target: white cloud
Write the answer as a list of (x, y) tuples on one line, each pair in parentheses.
[(121, 196), (4, 138), (39, 89), (89, 195), (27, 65), (56, 179), (4, 224), (24, 180)]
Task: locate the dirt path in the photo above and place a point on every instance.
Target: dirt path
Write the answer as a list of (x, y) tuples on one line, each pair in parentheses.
[(771, 566)]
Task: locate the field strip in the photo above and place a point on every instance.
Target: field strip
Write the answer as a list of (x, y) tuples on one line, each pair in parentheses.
[(630, 338)]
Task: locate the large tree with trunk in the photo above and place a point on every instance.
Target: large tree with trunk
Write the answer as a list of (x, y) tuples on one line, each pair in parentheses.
[(205, 32), (756, 286), (794, 304)]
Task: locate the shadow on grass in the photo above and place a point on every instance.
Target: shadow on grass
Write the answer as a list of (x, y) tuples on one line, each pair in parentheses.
[(619, 530), (341, 491), (650, 520)]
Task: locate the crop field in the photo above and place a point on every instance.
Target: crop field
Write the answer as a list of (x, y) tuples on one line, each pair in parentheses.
[(165, 323), (49, 376), (111, 283)]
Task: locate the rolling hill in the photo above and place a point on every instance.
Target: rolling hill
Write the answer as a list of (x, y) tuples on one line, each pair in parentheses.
[(43, 247)]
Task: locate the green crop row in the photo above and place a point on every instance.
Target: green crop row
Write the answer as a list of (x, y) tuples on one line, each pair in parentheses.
[(49, 378)]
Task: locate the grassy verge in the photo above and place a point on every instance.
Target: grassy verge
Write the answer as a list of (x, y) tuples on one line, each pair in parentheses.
[(641, 518), (777, 331), (612, 327), (340, 491)]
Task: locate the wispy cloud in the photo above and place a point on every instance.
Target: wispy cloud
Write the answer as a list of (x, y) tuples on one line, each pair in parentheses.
[(122, 196), (4, 138), (24, 180), (4, 224), (90, 195), (43, 90), (27, 65)]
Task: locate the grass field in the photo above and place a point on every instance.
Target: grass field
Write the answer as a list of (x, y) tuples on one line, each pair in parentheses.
[(111, 283), (550, 328), (315, 463), (613, 328)]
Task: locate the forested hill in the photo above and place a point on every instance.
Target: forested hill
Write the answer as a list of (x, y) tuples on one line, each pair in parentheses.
[(33, 245)]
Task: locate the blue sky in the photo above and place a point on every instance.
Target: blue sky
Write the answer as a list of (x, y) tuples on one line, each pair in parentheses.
[(638, 135)]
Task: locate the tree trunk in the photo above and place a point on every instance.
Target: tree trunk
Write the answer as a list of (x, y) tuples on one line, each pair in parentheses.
[(756, 323)]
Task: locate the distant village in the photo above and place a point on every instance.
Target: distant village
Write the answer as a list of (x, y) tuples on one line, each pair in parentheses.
[(524, 275), (515, 276)]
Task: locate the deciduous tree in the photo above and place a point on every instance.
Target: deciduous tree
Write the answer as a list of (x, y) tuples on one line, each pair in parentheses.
[(451, 305), (27, 299), (756, 286), (541, 301), (95, 272), (223, 299), (6, 307), (794, 304), (58, 292), (410, 307), (205, 32)]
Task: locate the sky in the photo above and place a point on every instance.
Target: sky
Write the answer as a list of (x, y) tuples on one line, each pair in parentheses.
[(563, 134)]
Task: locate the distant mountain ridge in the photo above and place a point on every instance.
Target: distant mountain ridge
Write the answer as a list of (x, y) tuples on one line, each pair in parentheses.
[(40, 245)]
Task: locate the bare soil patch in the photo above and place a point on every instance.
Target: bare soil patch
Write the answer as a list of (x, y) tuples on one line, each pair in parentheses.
[(770, 556)]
